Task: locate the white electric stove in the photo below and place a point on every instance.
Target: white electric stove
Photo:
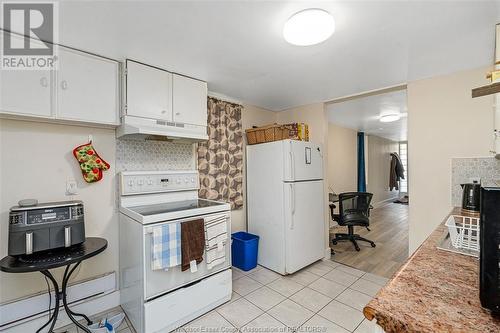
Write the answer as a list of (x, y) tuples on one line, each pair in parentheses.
[(157, 300)]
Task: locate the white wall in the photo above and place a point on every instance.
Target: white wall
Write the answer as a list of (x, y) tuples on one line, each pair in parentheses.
[(342, 158), (443, 122), (379, 161), (35, 162)]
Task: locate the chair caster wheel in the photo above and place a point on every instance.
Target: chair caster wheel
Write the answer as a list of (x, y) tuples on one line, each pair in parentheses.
[(334, 242), (373, 244), (358, 249)]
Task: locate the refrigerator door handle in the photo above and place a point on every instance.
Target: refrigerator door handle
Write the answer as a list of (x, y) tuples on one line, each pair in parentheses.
[(292, 204), (292, 165)]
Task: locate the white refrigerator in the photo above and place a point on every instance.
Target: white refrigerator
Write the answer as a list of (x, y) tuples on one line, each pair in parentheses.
[(286, 203)]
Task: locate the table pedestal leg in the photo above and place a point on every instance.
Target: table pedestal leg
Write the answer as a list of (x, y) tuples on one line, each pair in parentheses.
[(65, 302), (53, 317)]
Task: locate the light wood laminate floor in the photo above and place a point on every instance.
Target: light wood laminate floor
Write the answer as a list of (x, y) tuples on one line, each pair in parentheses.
[(389, 231)]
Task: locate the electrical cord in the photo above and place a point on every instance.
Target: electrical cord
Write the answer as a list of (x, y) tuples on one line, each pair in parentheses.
[(50, 296)]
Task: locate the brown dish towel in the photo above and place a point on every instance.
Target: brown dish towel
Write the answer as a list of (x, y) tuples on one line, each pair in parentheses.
[(192, 242)]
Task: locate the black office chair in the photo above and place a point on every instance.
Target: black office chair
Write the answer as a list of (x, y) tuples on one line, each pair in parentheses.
[(354, 210)]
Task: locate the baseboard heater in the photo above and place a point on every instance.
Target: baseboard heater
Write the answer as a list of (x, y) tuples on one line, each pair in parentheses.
[(31, 307)]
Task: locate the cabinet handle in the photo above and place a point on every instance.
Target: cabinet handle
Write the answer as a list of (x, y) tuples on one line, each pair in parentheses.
[(177, 113), (163, 111), (64, 85), (44, 82)]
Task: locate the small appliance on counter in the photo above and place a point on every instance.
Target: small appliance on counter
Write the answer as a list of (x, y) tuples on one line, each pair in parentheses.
[(36, 227), (470, 196), (489, 255)]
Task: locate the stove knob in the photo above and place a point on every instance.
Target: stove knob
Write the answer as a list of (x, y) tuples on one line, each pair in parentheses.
[(150, 182), (186, 180), (130, 183), (178, 180), (140, 182), (192, 180)]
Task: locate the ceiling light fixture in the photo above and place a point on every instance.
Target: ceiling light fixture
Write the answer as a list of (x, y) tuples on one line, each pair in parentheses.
[(390, 117), (309, 27)]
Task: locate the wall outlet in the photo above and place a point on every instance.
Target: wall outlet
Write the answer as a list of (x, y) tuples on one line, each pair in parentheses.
[(71, 187)]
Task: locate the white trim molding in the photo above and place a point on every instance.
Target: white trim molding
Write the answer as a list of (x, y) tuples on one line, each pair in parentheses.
[(90, 297)]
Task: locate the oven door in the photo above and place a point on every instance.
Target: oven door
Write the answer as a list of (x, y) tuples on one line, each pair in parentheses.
[(159, 282)]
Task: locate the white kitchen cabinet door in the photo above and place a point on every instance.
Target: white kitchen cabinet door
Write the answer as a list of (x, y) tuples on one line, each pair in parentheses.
[(87, 88), (189, 100), (149, 92), (26, 92)]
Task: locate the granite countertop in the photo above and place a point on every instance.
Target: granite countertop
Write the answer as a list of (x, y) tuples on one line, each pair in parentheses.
[(434, 291)]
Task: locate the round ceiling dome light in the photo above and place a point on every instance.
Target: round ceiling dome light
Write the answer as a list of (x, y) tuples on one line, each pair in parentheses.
[(390, 117), (309, 27)]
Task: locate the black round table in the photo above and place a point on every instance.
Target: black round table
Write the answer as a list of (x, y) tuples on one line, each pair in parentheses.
[(43, 261)]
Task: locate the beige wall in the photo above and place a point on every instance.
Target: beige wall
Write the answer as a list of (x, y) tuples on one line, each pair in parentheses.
[(342, 158), (35, 162), (315, 116), (443, 122), (251, 116), (379, 162)]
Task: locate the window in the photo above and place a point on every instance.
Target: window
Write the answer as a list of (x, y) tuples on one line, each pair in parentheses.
[(403, 154)]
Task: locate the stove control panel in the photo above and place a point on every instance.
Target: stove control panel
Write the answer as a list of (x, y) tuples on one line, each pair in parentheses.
[(142, 182)]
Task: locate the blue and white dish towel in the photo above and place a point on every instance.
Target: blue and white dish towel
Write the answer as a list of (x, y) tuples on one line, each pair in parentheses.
[(166, 246)]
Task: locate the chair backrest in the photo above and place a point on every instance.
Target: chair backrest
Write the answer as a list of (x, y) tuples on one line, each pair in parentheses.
[(354, 203)]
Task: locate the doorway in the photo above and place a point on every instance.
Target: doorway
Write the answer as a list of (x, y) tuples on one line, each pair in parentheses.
[(380, 119)]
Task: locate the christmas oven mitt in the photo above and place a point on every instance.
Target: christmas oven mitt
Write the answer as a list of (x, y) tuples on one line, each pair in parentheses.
[(90, 162)]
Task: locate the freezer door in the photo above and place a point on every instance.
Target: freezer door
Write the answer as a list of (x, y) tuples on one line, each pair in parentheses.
[(305, 224), (303, 160)]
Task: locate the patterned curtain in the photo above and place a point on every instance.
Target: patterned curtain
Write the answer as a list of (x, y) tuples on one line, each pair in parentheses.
[(220, 159)]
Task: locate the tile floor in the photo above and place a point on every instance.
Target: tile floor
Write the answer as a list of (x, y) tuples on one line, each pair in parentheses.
[(324, 297)]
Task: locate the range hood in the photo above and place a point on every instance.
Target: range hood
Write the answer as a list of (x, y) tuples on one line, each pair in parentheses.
[(160, 130)]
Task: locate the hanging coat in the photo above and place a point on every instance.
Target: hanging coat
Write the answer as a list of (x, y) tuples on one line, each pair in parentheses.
[(397, 172)]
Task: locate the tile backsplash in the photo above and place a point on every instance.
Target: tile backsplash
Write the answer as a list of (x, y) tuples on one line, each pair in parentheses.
[(135, 154), (462, 169)]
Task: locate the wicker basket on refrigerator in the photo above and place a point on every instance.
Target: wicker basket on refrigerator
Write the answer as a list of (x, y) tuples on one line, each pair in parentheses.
[(266, 133)]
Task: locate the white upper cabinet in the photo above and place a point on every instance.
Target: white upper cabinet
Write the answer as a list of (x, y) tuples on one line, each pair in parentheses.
[(149, 92), (189, 101), (82, 88), (26, 92), (87, 88)]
